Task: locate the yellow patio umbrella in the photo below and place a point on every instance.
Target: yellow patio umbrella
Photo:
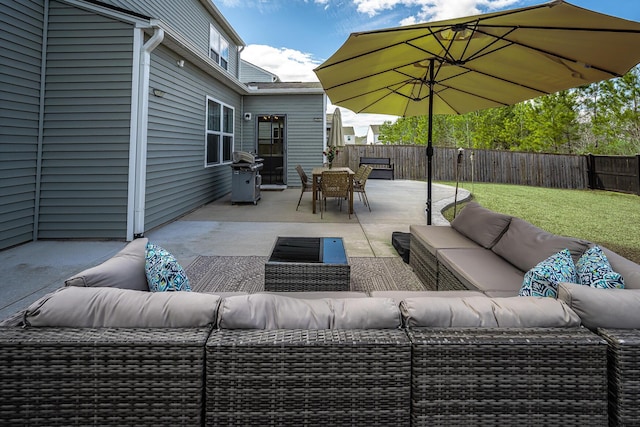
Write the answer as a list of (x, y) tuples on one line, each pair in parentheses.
[(473, 63)]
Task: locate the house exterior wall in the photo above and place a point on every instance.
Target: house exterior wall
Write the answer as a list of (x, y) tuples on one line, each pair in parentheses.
[(21, 26), (249, 73), (86, 126), (177, 180), (304, 129), (190, 18), (65, 150)]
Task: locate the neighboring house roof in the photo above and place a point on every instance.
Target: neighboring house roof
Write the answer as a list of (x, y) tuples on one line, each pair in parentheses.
[(348, 130), (375, 128)]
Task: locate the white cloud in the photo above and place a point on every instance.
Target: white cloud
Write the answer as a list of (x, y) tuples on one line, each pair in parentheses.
[(432, 10), (288, 64)]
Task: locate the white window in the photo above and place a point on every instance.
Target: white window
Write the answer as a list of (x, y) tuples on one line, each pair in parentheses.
[(218, 48), (220, 126)]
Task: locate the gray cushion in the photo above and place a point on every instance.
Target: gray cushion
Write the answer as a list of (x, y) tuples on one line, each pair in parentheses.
[(603, 308), (480, 269), (525, 245), (398, 296), (629, 270), (269, 311), (480, 224), (436, 237), (365, 313), (125, 270), (320, 294), (514, 312), (78, 307)]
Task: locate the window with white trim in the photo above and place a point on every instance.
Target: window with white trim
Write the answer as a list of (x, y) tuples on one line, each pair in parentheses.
[(218, 48), (219, 139)]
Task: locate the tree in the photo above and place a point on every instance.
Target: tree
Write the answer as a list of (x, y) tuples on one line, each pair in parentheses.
[(601, 118)]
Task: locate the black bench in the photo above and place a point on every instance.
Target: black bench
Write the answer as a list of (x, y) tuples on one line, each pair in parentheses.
[(382, 167)]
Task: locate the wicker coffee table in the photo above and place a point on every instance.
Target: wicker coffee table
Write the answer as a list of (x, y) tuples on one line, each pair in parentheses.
[(307, 264)]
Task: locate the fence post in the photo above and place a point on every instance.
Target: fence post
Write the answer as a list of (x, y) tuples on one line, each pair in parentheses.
[(638, 174), (591, 171)]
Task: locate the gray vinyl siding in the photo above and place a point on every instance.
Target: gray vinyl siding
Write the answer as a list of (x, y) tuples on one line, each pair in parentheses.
[(21, 26), (177, 179), (86, 122), (188, 17), (252, 74), (304, 129)]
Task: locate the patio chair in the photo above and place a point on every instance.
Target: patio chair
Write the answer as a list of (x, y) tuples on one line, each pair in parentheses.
[(359, 186), (359, 173), (306, 184), (334, 184)]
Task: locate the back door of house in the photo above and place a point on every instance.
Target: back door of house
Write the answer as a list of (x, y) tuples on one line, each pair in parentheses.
[(272, 147)]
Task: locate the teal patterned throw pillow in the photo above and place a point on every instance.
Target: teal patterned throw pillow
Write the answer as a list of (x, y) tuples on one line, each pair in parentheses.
[(163, 271), (594, 270), (542, 280)]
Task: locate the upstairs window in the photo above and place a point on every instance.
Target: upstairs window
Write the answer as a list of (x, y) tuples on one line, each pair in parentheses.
[(218, 48), (220, 126)]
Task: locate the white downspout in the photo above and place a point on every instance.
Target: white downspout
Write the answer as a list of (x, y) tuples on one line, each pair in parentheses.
[(139, 128)]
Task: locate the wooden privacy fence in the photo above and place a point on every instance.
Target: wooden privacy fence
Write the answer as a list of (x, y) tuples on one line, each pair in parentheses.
[(615, 173)]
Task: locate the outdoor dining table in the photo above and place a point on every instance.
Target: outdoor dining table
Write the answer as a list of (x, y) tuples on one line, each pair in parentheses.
[(317, 174)]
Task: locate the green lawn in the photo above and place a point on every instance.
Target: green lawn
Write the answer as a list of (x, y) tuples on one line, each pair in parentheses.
[(607, 218)]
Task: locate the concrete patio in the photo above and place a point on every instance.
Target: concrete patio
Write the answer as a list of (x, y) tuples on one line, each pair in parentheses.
[(221, 228)]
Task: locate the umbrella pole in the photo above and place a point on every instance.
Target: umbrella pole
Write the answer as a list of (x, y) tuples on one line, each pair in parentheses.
[(430, 140)]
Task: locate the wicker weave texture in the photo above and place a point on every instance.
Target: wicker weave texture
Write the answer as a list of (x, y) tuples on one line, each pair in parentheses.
[(308, 377), (299, 276), (424, 264), (447, 280), (107, 377), (624, 375), (553, 377)]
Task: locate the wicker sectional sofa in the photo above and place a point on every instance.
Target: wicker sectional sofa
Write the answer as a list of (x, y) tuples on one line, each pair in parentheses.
[(490, 252), (108, 355)]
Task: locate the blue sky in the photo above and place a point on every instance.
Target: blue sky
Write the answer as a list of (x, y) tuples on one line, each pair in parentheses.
[(291, 37)]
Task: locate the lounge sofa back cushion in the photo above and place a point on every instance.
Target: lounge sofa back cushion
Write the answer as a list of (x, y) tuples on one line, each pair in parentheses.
[(481, 225), (77, 307), (603, 308), (629, 270), (513, 312), (524, 245), (268, 311), (125, 270)]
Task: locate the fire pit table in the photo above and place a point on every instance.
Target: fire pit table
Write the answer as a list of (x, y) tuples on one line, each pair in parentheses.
[(307, 264)]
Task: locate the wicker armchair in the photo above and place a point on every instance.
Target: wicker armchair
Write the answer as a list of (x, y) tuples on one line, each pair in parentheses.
[(306, 184), (359, 185), (334, 184)]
